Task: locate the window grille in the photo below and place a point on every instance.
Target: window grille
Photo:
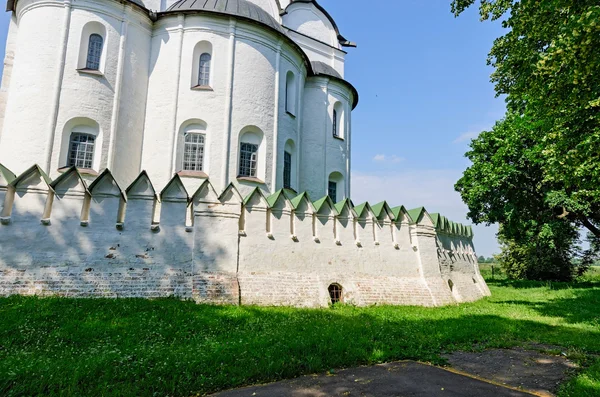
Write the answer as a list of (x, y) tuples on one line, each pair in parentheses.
[(94, 52), (333, 191), (335, 123), (193, 152), (248, 159), (335, 293), (81, 150), (204, 70), (287, 170)]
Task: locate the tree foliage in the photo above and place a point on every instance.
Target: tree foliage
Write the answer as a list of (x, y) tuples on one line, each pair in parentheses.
[(537, 172)]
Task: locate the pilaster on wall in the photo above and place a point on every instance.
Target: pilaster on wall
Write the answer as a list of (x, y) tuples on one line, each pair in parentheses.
[(216, 239), (424, 241)]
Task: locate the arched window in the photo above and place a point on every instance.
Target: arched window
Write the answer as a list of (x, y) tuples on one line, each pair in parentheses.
[(332, 191), (335, 293), (248, 160), (81, 150), (204, 70), (290, 93), (252, 154), (335, 187), (94, 54), (193, 152), (287, 170), (289, 165), (338, 120), (335, 124)]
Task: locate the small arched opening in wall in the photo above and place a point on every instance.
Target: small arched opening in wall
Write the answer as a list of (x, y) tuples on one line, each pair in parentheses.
[(338, 120), (451, 285), (336, 187), (202, 65), (336, 293), (81, 145), (192, 148), (291, 92), (92, 48), (252, 154), (289, 165)]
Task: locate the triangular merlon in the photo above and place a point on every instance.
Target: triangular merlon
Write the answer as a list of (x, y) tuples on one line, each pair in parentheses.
[(206, 193), (35, 169), (364, 211), (175, 190), (303, 197), (231, 194), (97, 183), (401, 214), (256, 192), (320, 204), (137, 187), (6, 176), (436, 220), (382, 211), (64, 177), (420, 216), (278, 196), (346, 203)]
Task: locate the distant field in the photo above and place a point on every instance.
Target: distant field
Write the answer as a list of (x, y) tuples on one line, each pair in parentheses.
[(134, 347), (497, 274)]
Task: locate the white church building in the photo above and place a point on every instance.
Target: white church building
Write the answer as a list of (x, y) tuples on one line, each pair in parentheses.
[(244, 91), (200, 149)]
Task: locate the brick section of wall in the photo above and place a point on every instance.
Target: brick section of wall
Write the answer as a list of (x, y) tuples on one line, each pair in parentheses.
[(393, 291), (80, 281), (311, 290), (216, 288), (282, 289)]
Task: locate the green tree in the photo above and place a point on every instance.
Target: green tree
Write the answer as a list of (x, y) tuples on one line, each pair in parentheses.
[(537, 172)]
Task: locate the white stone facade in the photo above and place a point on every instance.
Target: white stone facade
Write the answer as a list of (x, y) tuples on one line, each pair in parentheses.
[(105, 94), (141, 99)]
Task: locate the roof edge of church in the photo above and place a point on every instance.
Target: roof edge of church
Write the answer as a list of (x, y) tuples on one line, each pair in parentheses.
[(11, 5)]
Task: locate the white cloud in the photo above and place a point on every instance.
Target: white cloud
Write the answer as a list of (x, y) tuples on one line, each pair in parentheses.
[(432, 189), (467, 136), (382, 158)]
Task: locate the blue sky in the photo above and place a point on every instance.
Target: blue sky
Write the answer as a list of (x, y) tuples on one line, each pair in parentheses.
[(424, 92)]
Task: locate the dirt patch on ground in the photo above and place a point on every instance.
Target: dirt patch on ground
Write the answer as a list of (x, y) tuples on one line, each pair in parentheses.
[(525, 369)]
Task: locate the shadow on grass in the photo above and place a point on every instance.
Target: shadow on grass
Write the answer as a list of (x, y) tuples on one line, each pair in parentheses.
[(583, 307), (167, 347)]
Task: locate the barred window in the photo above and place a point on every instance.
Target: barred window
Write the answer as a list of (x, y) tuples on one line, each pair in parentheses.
[(94, 52), (204, 70), (335, 123), (248, 159), (332, 191), (193, 152), (81, 150), (335, 293), (287, 170)]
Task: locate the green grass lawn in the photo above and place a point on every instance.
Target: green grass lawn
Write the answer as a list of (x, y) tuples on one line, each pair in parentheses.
[(166, 347)]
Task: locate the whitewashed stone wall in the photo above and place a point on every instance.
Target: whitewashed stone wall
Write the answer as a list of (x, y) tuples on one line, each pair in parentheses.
[(141, 100), (69, 238)]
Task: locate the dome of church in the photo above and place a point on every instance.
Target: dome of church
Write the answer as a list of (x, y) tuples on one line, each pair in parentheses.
[(239, 8)]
